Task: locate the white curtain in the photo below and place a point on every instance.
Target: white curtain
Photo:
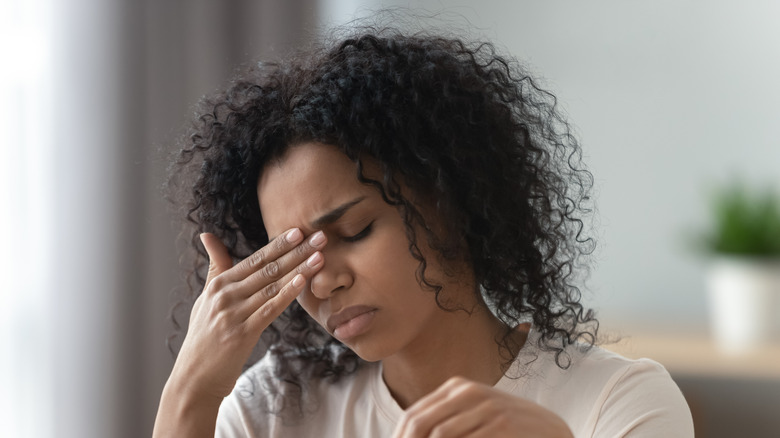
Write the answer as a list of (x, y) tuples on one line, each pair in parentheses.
[(94, 93), (26, 326)]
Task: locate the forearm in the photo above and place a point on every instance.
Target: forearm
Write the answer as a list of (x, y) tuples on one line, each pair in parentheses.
[(183, 415)]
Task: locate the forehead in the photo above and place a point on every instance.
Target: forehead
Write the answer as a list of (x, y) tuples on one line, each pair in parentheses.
[(309, 180)]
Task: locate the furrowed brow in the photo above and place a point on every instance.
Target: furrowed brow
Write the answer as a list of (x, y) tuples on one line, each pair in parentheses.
[(331, 216), (335, 214)]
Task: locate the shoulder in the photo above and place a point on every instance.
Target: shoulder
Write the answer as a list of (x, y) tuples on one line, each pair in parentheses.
[(604, 394), (262, 405), (252, 402), (639, 399)]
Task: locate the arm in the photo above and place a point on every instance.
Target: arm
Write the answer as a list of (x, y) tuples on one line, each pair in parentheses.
[(237, 304), (184, 414)]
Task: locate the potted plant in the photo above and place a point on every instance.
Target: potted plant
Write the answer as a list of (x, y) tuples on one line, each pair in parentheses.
[(743, 281)]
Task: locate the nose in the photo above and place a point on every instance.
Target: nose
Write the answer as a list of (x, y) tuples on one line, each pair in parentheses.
[(332, 277)]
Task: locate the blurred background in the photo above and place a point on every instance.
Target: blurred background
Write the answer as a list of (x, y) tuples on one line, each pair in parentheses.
[(668, 99)]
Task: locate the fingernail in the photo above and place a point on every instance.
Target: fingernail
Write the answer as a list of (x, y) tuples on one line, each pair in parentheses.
[(314, 260), (293, 236), (317, 239), (298, 281)]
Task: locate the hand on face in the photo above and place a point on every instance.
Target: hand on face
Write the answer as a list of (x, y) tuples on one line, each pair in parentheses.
[(460, 408), (237, 304)]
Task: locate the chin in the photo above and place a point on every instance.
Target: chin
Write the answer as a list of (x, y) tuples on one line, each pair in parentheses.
[(367, 350)]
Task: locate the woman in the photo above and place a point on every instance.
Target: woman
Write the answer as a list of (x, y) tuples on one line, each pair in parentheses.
[(405, 217)]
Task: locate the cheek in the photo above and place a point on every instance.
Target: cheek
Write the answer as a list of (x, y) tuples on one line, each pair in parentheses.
[(309, 303), (394, 269)]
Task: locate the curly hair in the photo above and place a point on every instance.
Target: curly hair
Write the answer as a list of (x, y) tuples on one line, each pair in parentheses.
[(456, 123)]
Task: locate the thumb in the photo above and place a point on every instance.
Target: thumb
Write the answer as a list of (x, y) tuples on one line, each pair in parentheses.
[(219, 259)]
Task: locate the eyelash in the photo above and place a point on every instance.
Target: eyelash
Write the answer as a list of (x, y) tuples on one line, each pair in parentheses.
[(359, 236)]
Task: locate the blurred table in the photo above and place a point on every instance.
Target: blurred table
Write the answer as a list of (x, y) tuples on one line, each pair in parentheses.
[(699, 356)]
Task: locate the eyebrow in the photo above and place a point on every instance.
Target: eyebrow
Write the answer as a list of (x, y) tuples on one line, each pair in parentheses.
[(331, 216), (335, 214)]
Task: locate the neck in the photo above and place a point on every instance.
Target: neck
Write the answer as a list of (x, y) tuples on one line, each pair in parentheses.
[(465, 345)]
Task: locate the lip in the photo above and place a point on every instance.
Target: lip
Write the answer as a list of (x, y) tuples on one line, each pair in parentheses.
[(345, 315)]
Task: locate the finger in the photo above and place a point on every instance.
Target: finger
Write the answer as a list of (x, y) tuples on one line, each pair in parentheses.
[(436, 396), (496, 427), (280, 245), (219, 258), (280, 271), (451, 398), (266, 257), (465, 422), (254, 301), (271, 309), (409, 426)]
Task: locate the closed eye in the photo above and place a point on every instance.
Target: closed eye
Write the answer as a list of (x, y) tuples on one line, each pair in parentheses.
[(365, 232)]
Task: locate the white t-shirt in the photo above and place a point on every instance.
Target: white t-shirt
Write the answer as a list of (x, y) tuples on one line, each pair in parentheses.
[(600, 395)]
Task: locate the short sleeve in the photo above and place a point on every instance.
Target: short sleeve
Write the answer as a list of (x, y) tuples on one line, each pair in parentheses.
[(230, 420), (644, 402), (243, 413)]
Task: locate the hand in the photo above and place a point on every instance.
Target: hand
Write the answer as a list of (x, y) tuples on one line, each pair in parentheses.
[(461, 408), (237, 304)]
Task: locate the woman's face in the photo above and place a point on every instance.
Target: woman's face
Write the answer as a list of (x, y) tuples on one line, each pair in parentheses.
[(366, 294)]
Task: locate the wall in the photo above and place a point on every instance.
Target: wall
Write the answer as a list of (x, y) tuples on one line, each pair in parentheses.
[(667, 98), (95, 95)]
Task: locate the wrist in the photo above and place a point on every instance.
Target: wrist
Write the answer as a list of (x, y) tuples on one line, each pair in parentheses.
[(185, 413), (182, 393)]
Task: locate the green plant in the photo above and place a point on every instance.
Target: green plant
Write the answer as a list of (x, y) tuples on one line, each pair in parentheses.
[(745, 223)]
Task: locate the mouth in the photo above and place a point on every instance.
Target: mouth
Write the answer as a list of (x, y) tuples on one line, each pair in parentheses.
[(351, 321)]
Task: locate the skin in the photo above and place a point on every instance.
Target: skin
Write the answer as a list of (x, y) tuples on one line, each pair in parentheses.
[(461, 407), (237, 304), (355, 253), (445, 390)]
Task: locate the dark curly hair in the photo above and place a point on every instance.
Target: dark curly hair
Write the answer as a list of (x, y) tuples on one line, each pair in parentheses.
[(455, 122)]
